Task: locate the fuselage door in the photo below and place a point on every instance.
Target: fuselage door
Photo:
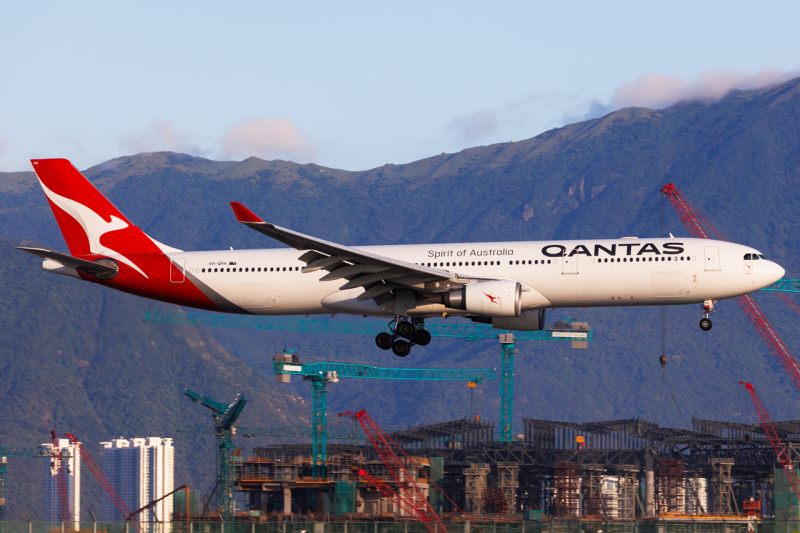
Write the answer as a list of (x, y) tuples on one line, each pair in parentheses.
[(569, 264), (712, 257), (177, 272)]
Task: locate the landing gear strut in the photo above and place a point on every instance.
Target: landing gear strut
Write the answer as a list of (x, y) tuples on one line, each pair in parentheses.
[(708, 307), (414, 331)]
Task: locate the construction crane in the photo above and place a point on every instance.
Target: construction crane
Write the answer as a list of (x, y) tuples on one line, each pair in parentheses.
[(780, 451), (409, 490), (287, 364), (784, 285), (471, 332), (701, 228), (224, 418), (34, 452), (101, 478)]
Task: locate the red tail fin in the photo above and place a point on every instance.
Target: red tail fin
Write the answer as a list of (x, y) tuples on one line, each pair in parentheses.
[(89, 222)]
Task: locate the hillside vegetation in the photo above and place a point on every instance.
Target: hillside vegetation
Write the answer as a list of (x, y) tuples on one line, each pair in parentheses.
[(79, 358)]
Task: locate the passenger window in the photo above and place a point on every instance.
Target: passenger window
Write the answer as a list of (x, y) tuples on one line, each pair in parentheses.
[(459, 263), (548, 261)]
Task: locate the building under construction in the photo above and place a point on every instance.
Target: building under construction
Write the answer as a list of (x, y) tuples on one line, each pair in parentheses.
[(614, 470)]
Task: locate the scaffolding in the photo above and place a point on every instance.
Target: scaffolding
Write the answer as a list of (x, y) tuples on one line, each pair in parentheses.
[(722, 485), (567, 482), (508, 474), (670, 484), (626, 491), (475, 485), (594, 497)]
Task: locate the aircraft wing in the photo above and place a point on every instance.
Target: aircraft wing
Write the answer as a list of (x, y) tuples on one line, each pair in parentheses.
[(376, 273)]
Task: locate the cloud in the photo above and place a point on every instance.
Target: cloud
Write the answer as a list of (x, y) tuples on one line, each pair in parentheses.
[(267, 138), (160, 135), (487, 124), (476, 126), (657, 91)]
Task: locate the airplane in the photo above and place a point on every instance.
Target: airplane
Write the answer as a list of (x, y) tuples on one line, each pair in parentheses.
[(507, 284)]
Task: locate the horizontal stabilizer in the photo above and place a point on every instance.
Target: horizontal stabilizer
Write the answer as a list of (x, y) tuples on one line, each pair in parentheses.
[(67, 260)]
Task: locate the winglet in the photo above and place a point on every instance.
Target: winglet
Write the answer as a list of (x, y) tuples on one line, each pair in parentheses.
[(243, 214)]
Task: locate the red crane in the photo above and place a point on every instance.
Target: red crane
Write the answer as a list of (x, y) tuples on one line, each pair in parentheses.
[(98, 474), (783, 457), (409, 490), (401, 502), (702, 228), (61, 480)]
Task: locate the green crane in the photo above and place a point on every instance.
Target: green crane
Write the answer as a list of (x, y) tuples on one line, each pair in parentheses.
[(567, 331), (784, 285), (40, 452), (287, 364), (224, 418), (471, 332)]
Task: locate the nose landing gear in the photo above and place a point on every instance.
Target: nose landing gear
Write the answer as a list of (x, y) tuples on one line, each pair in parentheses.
[(414, 331), (708, 307)]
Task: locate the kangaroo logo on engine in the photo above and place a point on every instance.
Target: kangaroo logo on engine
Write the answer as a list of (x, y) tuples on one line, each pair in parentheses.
[(494, 299)]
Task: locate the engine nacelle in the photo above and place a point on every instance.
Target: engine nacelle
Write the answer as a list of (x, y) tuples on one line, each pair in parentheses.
[(529, 321), (488, 298)]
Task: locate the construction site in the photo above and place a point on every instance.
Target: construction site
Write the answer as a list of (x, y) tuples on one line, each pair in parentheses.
[(554, 476)]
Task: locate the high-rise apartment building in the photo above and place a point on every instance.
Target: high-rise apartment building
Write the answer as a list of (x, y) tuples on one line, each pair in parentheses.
[(72, 471), (140, 470)]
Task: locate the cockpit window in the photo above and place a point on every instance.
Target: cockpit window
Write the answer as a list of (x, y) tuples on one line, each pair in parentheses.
[(761, 256), (748, 257), (755, 257)]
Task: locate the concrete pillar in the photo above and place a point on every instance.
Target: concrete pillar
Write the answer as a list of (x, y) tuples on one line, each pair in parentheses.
[(650, 486), (287, 500)]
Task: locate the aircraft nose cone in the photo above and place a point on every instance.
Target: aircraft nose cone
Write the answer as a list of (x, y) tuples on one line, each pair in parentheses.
[(779, 272)]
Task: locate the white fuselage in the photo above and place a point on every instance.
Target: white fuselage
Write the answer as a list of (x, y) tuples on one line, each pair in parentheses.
[(581, 273)]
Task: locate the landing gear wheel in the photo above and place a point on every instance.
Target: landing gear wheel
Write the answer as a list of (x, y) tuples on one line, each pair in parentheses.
[(705, 324), (405, 329), (421, 337), (383, 340), (401, 348)]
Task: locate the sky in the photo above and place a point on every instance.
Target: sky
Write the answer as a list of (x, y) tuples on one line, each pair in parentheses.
[(355, 85)]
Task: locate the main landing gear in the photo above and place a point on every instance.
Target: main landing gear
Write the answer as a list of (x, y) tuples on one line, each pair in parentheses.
[(413, 331), (708, 307)]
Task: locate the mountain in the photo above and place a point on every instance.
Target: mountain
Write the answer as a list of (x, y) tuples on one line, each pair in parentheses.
[(738, 160)]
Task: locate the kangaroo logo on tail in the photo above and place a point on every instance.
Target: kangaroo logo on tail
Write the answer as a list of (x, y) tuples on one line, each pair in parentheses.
[(91, 224)]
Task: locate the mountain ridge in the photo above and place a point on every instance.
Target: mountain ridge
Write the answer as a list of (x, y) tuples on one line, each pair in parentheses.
[(737, 159)]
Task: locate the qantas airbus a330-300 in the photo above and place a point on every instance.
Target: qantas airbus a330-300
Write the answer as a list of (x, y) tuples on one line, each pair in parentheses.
[(506, 284)]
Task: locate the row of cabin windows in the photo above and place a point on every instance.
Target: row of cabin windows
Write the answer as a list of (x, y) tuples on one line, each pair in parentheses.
[(484, 263), (247, 269), (645, 259), (536, 261), (488, 263)]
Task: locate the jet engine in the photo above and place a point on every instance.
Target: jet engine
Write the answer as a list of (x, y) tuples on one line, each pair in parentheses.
[(529, 321), (488, 298)]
